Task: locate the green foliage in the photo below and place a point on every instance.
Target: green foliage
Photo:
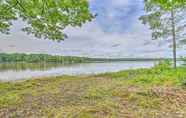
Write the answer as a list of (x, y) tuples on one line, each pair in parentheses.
[(168, 4), (45, 18), (163, 65), (183, 64), (36, 58), (161, 74), (166, 19), (160, 20), (183, 59)]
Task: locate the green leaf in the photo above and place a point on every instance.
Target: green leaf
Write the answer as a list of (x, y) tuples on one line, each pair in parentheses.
[(44, 18)]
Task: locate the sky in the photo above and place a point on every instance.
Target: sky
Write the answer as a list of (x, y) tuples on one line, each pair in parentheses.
[(115, 32)]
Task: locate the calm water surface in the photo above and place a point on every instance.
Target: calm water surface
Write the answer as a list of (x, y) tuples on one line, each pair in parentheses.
[(17, 71)]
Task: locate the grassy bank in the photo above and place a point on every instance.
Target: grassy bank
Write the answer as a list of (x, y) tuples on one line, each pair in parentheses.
[(144, 93)]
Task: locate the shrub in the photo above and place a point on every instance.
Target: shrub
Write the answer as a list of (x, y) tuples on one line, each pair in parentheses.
[(162, 66)]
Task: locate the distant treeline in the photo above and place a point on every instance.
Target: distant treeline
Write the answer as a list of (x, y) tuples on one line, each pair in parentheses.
[(126, 59), (35, 58)]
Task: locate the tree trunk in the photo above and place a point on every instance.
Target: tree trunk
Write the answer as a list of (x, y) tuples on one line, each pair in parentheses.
[(174, 39)]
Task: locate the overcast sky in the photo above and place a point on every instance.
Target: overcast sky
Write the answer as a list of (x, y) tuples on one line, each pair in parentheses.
[(116, 32)]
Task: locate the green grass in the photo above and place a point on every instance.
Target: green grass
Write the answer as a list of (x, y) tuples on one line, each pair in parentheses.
[(156, 93)]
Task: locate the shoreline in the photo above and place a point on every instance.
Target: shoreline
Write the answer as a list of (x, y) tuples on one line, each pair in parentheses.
[(130, 93)]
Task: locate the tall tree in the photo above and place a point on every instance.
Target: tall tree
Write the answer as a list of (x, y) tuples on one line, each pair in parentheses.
[(167, 20), (45, 18)]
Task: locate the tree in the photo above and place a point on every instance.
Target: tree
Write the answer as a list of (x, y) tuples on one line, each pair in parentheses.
[(167, 20), (45, 18), (167, 4)]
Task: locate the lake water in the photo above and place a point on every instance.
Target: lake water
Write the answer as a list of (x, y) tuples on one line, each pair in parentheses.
[(17, 71)]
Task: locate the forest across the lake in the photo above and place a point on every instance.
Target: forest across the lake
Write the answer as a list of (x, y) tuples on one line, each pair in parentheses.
[(36, 58)]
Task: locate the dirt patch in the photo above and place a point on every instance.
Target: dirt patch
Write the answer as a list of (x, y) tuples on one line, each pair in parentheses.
[(173, 95)]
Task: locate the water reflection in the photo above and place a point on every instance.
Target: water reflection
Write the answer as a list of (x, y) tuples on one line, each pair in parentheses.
[(16, 71), (29, 66)]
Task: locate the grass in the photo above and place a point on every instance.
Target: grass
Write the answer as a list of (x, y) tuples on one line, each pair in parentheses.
[(159, 92)]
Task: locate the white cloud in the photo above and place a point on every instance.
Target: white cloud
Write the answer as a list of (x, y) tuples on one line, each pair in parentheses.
[(93, 41)]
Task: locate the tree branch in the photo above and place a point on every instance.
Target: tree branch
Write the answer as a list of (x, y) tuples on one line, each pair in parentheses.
[(19, 3), (13, 6)]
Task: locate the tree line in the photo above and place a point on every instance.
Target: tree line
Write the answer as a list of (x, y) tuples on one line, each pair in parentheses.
[(35, 58)]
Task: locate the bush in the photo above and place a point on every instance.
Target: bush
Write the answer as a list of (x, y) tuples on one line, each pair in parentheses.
[(162, 66)]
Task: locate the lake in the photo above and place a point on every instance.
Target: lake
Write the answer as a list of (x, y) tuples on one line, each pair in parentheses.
[(17, 71)]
